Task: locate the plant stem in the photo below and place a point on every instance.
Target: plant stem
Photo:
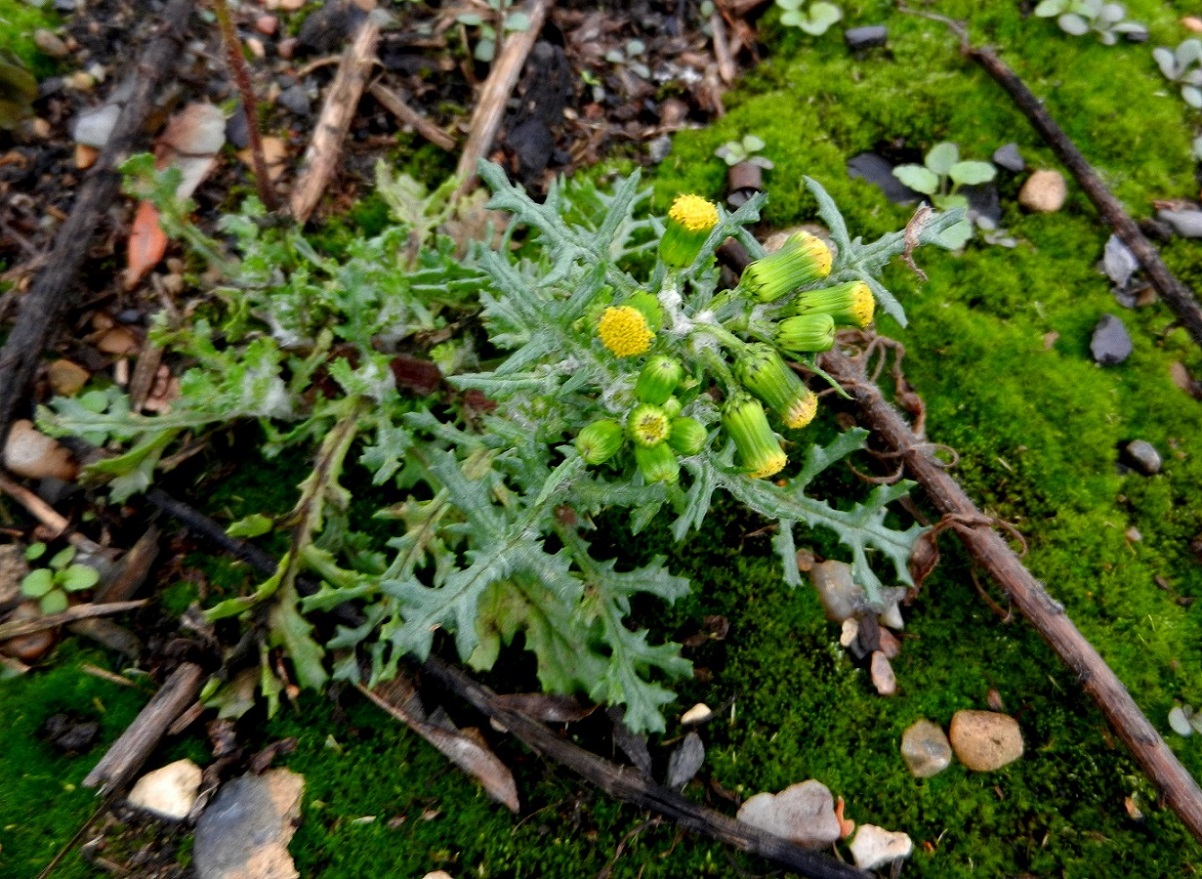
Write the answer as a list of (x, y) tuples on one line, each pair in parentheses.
[(233, 53)]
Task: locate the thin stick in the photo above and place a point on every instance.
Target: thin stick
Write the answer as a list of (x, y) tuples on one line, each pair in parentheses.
[(490, 108), (392, 102), (139, 740), (626, 784), (1028, 595), (49, 517), (17, 628), (321, 158), (233, 54), (53, 291)]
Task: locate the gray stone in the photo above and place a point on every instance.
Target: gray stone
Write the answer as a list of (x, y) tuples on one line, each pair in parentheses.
[(840, 595), (1118, 262), (871, 36), (660, 148), (244, 832), (1141, 456), (874, 846), (983, 201), (1009, 158), (1187, 224), (803, 813), (878, 172), (686, 759), (168, 792), (93, 127), (237, 130), (925, 749), (1111, 344), (985, 740), (295, 99)]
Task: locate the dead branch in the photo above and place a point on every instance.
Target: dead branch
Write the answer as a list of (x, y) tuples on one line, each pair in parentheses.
[(1025, 592), (321, 157), (53, 290), (1178, 297), (490, 108), (392, 102), (17, 628), (625, 783), (56, 524), (139, 740)]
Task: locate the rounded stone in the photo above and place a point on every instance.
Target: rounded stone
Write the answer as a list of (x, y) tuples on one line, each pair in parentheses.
[(882, 674), (1142, 456), (67, 378), (32, 454), (925, 749), (803, 813), (1044, 192), (168, 792), (985, 740), (1110, 344), (875, 846)]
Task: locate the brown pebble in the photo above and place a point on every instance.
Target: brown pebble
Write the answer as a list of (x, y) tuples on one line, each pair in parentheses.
[(31, 647), (30, 453), (67, 378), (985, 740), (267, 24), (287, 48), (1044, 192), (882, 674), (50, 43), (85, 156), (39, 128), (120, 341), (890, 645), (1193, 23), (256, 47)]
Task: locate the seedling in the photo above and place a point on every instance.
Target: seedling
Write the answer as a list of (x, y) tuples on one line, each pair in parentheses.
[(735, 151), (1183, 66), (1079, 17), (628, 56), (498, 20), (940, 176), (813, 18), (51, 585)]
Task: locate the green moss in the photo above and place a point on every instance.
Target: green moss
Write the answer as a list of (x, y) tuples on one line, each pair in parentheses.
[(43, 804), (18, 22)]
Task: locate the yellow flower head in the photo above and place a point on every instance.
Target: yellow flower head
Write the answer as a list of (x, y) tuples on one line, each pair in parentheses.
[(801, 411), (624, 331), (850, 303), (694, 213)]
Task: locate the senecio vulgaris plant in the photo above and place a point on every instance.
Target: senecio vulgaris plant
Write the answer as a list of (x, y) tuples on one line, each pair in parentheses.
[(618, 374)]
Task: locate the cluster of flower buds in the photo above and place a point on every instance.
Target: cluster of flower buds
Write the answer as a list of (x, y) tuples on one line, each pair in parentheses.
[(628, 330), (802, 259), (745, 421), (655, 428)]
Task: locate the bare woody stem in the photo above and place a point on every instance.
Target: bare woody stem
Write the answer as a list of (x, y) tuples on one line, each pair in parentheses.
[(233, 52), (1028, 595)]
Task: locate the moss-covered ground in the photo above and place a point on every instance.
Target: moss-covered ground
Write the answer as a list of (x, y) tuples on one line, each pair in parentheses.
[(998, 347)]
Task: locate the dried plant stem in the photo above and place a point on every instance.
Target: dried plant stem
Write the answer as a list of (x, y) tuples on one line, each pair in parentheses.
[(233, 52), (992, 552)]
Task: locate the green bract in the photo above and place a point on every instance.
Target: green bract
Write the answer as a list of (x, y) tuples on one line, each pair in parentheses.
[(486, 484)]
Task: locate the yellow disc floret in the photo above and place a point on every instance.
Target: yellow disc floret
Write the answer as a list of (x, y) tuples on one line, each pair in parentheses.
[(624, 331), (694, 213)]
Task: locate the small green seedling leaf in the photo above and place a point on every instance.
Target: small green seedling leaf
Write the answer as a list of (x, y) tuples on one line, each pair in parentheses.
[(77, 578), (54, 601), (254, 525), (971, 173), (35, 551), (62, 558), (942, 157), (37, 583), (917, 178)]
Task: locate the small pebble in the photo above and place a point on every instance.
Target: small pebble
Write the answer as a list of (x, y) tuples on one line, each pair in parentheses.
[(39, 128), (67, 378), (874, 847), (168, 792), (1111, 343), (659, 149), (1187, 224), (80, 81), (30, 453), (699, 713), (1044, 192), (256, 47), (1192, 23), (287, 48), (31, 647), (925, 749), (85, 156), (871, 36), (295, 99), (985, 740), (1142, 457), (1008, 158), (267, 24), (803, 813), (1179, 721), (882, 674), (50, 43), (890, 646), (93, 127), (847, 635)]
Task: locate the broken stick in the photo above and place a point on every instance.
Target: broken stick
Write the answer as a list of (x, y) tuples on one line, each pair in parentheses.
[(490, 108), (393, 103), (321, 158), (53, 290), (135, 745)]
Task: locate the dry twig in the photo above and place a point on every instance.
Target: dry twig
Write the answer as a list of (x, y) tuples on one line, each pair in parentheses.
[(17, 628), (392, 102), (321, 158)]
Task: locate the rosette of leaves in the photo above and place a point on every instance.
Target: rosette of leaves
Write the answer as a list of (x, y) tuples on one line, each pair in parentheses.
[(1183, 66), (745, 149), (1079, 17), (488, 504), (940, 176), (814, 18), (62, 576), (497, 19)]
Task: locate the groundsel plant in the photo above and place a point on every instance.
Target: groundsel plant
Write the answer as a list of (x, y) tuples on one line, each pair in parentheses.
[(616, 374)]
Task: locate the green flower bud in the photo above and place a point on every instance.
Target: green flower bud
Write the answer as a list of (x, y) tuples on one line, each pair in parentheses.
[(806, 333), (600, 441), (764, 372), (647, 425), (745, 421), (690, 220), (658, 379), (802, 260), (687, 436), (850, 303), (671, 407), (648, 306), (657, 463)]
